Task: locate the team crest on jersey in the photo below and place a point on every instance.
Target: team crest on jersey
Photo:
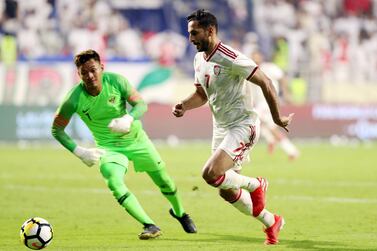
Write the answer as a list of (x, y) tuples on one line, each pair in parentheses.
[(111, 100), (216, 70)]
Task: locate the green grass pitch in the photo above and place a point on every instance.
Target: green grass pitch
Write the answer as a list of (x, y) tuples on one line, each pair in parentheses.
[(328, 197)]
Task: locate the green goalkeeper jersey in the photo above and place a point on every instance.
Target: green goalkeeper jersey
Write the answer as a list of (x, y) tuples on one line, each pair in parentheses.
[(98, 111)]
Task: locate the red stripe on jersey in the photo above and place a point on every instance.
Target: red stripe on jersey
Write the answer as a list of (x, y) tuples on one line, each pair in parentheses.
[(252, 73), (60, 121), (228, 54), (213, 52), (134, 97), (197, 85), (227, 51)]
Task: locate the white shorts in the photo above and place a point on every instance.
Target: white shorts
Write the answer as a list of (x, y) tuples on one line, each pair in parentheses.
[(236, 141)]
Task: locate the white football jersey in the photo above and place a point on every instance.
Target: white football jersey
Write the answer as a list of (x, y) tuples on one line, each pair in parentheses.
[(222, 76)]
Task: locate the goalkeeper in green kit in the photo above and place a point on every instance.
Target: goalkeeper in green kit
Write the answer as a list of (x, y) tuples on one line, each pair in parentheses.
[(100, 100)]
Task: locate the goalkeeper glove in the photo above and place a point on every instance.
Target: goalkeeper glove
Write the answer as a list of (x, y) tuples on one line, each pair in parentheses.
[(90, 156), (121, 125)]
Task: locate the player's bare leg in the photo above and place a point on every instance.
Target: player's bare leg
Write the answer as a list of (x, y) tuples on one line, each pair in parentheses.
[(242, 192), (217, 172)]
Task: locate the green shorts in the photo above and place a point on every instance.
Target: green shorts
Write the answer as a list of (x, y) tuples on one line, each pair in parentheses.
[(140, 151)]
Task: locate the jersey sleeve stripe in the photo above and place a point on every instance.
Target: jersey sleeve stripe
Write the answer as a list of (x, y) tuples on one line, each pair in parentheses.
[(197, 84), (134, 98), (252, 73), (231, 55), (227, 51), (60, 121)]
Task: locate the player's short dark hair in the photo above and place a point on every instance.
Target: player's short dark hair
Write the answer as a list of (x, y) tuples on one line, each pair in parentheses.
[(85, 56), (204, 18)]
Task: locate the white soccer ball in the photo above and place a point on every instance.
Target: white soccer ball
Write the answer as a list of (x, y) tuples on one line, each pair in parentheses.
[(36, 233)]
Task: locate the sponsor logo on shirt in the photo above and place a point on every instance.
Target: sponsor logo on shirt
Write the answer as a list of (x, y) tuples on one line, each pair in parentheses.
[(111, 100)]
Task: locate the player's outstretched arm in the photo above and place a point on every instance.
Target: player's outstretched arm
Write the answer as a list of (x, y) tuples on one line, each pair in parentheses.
[(89, 156), (58, 131), (260, 79), (195, 100), (61, 120)]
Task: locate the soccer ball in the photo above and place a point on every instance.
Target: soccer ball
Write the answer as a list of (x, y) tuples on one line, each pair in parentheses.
[(36, 233)]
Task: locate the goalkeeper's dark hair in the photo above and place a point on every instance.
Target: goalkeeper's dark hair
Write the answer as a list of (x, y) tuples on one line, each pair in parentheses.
[(204, 18), (85, 56)]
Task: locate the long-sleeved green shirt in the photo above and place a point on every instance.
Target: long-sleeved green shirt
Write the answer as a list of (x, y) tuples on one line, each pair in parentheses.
[(98, 111)]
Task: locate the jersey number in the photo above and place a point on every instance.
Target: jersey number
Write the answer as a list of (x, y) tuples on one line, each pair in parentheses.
[(206, 77)]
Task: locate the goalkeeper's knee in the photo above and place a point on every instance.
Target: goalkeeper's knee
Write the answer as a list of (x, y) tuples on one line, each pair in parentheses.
[(167, 187), (116, 186), (164, 182)]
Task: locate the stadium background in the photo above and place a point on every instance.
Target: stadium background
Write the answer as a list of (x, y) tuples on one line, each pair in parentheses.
[(328, 50)]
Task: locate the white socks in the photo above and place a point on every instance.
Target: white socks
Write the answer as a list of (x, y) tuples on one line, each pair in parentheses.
[(266, 217), (244, 204), (233, 180)]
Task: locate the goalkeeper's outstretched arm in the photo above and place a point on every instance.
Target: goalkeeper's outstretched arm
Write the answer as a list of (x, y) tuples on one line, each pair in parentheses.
[(89, 156), (58, 132)]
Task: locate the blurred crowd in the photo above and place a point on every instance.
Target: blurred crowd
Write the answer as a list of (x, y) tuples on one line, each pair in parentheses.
[(63, 27), (323, 41), (317, 39)]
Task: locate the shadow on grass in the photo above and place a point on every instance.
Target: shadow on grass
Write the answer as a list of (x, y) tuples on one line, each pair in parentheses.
[(219, 239)]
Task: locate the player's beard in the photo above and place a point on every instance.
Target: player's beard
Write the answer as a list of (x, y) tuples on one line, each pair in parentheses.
[(204, 45)]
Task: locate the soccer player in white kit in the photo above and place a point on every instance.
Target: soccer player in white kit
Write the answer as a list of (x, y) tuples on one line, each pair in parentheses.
[(269, 130), (221, 77)]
